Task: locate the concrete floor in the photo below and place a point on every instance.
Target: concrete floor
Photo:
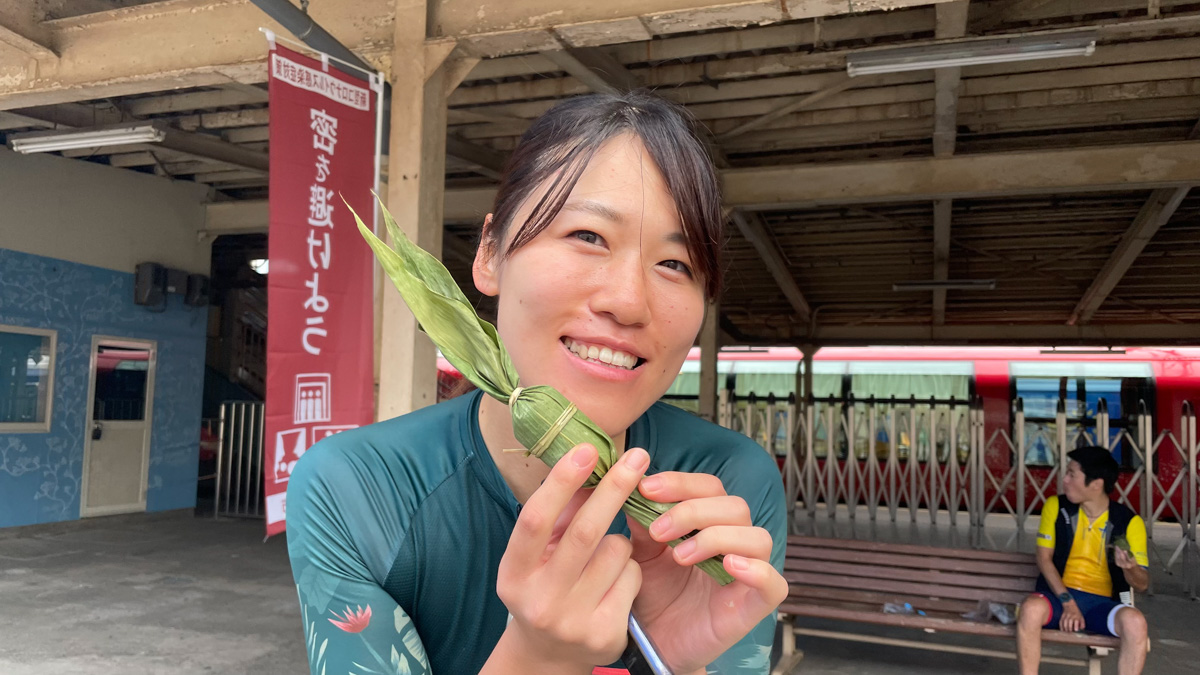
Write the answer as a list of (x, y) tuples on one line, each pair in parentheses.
[(175, 594), (161, 593)]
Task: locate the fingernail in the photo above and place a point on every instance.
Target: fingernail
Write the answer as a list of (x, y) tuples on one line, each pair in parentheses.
[(583, 456), (637, 459), (686, 549), (658, 527), (737, 562), (651, 484)]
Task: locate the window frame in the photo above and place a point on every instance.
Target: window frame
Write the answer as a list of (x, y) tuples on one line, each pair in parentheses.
[(45, 426), (1144, 389)]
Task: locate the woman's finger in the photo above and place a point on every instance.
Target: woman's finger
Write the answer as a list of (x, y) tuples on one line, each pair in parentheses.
[(593, 519), (766, 588), (618, 600), (535, 525), (566, 515), (645, 549), (603, 570), (678, 486), (697, 514), (748, 542)]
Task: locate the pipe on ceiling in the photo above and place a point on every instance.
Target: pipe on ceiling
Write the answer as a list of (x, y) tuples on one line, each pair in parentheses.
[(301, 25)]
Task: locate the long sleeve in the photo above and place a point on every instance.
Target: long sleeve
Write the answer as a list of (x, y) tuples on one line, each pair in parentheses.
[(339, 540)]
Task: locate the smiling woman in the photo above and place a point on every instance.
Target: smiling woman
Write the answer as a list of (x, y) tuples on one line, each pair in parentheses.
[(603, 245), (610, 269)]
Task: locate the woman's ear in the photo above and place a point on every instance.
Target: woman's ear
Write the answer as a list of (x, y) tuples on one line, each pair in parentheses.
[(484, 269)]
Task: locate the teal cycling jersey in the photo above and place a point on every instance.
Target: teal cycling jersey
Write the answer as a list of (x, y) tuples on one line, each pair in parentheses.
[(396, 530)]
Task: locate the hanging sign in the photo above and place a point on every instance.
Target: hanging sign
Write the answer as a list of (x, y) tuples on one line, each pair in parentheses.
[(319, 283)]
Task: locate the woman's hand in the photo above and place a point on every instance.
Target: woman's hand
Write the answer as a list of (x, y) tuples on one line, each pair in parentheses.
[(690, 617), (568, 585)]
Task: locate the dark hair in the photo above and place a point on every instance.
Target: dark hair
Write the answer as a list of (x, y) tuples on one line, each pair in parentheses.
[(564, 139), (1096, 462)]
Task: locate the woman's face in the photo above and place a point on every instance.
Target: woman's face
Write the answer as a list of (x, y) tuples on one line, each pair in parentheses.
[(602, 304)]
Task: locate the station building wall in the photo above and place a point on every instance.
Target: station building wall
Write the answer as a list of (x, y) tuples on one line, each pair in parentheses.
[(71, 234)]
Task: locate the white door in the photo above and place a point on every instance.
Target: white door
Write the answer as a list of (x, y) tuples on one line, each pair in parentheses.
[(116, 454)]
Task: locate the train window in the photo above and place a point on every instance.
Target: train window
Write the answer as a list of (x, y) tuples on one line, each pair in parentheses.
[(1081, 387), (26, 379), (765, 377), (685, 390), (905, 379)]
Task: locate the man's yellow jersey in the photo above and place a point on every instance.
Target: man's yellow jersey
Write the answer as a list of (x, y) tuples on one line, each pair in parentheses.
[(1087, 566)]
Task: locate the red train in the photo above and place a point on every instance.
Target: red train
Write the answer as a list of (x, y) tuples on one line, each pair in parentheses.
[(1159, 381)]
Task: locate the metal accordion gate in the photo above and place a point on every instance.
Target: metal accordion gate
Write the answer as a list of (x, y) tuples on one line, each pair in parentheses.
[(933, 459)]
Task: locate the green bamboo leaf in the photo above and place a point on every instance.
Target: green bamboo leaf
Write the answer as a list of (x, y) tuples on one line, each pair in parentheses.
[(471, 344)]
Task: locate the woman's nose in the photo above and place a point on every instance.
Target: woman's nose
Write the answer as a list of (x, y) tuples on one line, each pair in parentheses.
[(621, 293)]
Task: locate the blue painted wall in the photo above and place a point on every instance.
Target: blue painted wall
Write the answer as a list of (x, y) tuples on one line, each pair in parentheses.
[(40, 474)]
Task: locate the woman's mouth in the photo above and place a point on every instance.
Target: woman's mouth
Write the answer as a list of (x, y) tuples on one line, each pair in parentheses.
[(605, 356)]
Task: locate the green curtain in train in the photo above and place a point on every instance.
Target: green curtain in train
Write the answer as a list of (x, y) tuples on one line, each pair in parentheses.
[(904, 385)]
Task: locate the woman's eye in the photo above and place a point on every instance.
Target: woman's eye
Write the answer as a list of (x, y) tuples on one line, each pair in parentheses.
[(588, 237), (678, 266)]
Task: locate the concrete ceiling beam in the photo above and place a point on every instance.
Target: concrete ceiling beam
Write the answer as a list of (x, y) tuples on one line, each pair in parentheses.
[(1013, 173), (500, 27), (135, 50), (197, 100), (1125, 167), (1155, 213), (753, 229), (595, 68), (21, 29), (488, 162)]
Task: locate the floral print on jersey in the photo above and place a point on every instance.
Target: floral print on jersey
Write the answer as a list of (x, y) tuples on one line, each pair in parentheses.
[(406, 657)]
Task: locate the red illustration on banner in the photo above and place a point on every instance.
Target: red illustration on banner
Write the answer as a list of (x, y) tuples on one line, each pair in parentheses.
[(319, 292)]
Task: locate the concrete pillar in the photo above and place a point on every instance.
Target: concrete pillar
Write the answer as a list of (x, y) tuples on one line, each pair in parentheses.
[(416, 182), (804, 376), (710, 347)]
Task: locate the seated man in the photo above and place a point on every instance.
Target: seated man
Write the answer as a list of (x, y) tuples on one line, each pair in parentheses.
[(1090, 550)]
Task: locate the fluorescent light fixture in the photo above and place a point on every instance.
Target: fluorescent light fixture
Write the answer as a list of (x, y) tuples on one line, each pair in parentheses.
[(57, 141), (974, 52), (260, 265), (1082, 351), (947, 285)]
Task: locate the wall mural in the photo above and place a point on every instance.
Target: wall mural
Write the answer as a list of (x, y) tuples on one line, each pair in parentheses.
[(40, 473)]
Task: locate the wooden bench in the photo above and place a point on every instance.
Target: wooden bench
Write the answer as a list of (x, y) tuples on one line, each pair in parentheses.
[(851, 581)]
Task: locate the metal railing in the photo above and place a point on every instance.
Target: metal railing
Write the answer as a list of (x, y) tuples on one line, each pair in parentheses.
[(932, 457), (239, 477)]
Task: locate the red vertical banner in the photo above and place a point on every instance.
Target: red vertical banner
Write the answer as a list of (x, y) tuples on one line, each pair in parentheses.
[(319, 291)]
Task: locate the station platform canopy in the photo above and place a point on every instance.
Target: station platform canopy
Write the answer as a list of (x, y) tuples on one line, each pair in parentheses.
[(964, 198)]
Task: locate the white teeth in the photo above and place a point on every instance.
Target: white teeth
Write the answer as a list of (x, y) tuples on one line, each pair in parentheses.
[(605, 355)]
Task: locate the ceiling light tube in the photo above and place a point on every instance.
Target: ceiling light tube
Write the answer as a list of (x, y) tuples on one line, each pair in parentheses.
[(57, 141), (970, 53), (948, 285)]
